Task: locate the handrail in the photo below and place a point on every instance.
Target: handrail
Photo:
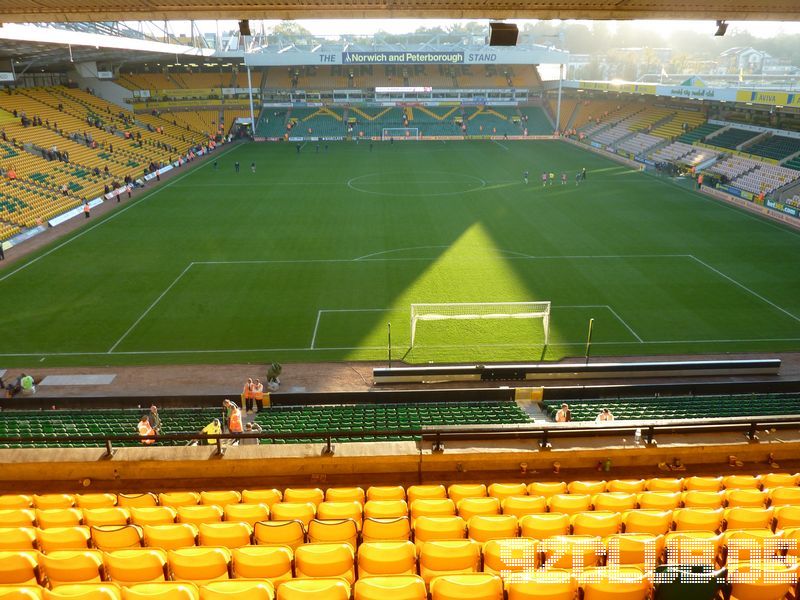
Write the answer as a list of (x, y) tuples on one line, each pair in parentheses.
[(543, 432)]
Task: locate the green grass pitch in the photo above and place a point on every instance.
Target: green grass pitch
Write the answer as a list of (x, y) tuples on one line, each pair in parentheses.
[(310, 258)]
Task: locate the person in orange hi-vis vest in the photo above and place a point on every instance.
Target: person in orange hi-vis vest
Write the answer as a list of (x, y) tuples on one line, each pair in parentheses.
[(235, 424), (247, 395), (258, 394), (146, 430)]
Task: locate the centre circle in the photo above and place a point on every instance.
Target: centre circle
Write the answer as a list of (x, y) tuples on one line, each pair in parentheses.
[(433, 183)]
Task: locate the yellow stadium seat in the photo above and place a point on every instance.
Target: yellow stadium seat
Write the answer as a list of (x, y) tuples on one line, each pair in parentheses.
[(95, 500), (199, 565), (8, 501), (511, 555), (199, 514), (63, 538), (697, 519), (657, 522), (745, 545), (664, 484), (642, 550), (586, 487), (171, 536), (17, 517), (793, 551), (702, 499), (483, 528), (141, 565), (280, 533), (116, 537), (563, 551), (448, 557), (470, 507), (385, 530), (782, 496), (385, 509), (614, 501), (458, 491), (555, 584), (266, 496), (220, 498), (17, 538), (303, 495), (786, 516), (569, 504), (741, 482), (774, 480), (386, 558), (771, 581), (474, 586), (325, 561), (625, 583), (47, 501), (432, 507), (93, 517), (519, 506), (425, 492), (19, 567), (596, 523), (397, 587), (386, 492), (506, 490), (176, 499), (352, 510), (294, 511), (58, 517), (228, 535), (630, 486), (273, 563), (746, 497), (137, 500), (314, 589), (84, 591), (707, 484), (545, 525), (72, 566), (448, 527), (692, 547), (238, 590), (246, 513), (741, 517), (333, 531), (345, 494), (153, 515), (21, 592), (547, 489), (659, 500), (167, 590)]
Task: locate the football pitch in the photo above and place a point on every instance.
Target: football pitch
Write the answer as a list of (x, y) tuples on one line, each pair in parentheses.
[(311, 258)]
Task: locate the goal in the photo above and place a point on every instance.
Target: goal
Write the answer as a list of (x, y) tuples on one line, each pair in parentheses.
[(481, 310), (400, 133)]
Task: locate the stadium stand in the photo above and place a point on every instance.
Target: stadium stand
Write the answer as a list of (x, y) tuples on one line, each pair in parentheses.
[(568, 106), (492, 121), (731, 138), (698, 134), (754, 176), (776, 147), (685, 154)]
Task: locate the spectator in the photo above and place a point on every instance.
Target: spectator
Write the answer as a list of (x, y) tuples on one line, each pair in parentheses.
[(251, 428), (258, 395), (212, 428), (603, 416), (247, 395), (233, 415), (563, 415), (154, 419), (145, 430)]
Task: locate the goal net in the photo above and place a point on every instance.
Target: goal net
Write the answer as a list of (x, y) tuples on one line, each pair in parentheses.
[(400, 133), (480, 310)]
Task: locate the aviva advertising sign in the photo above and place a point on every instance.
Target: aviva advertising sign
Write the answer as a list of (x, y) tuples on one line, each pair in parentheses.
[(771, 98)]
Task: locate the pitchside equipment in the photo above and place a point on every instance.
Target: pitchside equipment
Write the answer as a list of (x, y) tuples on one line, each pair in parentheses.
[(481, 310), (400, 133)]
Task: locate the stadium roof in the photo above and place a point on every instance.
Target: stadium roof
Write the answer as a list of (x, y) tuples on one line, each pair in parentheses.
[(107, 10)]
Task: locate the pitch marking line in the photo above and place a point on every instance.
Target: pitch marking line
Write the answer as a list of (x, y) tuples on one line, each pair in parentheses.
[(110, 217), (338, 310), (501, 145), (149, 308)]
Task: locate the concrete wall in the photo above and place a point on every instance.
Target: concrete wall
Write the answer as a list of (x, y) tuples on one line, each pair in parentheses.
[(104, 88)]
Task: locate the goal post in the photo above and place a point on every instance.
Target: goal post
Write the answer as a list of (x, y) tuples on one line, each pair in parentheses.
[(400, 133), (481, 310)]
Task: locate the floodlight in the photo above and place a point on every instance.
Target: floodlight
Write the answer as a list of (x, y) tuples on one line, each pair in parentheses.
[(722, 27)]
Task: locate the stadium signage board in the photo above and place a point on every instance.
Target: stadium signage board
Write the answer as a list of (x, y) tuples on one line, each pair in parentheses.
[(402, 58), (5, 76)]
